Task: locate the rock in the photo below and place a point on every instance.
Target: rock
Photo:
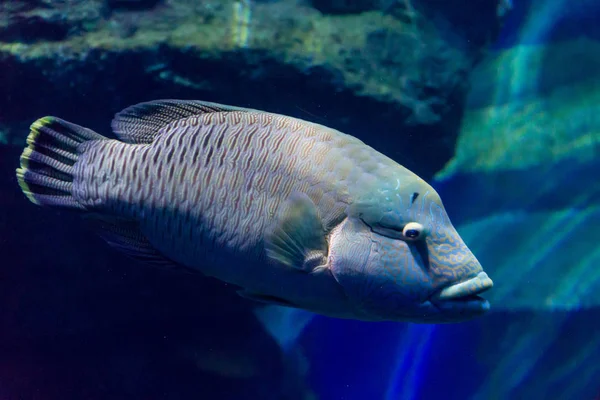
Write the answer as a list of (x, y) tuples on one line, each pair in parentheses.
[(132, 4), (45, 20), (396, 81)]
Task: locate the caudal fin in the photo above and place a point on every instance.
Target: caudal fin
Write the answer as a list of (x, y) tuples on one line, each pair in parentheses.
[(46, 173)]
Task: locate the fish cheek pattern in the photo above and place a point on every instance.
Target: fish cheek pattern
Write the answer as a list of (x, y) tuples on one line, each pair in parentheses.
[(402, 275), (379, 274)]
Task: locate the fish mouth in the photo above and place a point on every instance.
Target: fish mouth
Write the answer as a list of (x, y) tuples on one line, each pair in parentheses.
[(465, 292)]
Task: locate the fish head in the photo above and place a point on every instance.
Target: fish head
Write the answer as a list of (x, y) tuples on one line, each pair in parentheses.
[(398, 257)]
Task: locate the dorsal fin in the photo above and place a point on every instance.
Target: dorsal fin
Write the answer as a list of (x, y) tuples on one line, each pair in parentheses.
[(142, 122)]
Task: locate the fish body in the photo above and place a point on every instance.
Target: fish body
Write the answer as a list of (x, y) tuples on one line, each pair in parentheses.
[(295, 213)]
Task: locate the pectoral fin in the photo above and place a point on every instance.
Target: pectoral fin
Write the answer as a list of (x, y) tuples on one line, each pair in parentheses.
[(298, 237)]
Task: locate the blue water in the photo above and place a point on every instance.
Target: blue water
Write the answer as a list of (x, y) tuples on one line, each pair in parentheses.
[(80, 322), (556, 20)]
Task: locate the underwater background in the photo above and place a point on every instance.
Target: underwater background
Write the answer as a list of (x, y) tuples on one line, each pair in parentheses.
[(494, 102)]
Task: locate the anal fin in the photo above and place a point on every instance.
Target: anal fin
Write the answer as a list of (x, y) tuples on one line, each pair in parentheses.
[(126, 237)]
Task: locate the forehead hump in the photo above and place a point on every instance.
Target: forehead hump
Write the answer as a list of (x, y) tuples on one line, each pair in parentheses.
[(411, 199), (387, 190)]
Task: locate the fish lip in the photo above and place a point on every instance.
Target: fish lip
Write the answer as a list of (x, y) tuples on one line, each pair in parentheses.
[(464, 291), (452, 311)]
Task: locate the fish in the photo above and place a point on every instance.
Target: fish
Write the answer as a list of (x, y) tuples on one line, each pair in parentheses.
[(291, 212)]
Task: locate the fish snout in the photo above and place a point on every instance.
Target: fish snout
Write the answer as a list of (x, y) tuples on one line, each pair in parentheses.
[(459, 299)]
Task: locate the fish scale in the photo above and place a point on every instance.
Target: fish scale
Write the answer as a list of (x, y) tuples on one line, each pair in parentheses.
[(221, 187)]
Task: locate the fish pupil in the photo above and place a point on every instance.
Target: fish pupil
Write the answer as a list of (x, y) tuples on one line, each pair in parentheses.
[(412, 233)]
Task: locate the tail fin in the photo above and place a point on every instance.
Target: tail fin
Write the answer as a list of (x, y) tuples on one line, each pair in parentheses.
[(46, 173)]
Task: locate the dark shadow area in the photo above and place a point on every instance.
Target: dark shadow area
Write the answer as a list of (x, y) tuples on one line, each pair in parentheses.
[(80, 321), (31, 29)]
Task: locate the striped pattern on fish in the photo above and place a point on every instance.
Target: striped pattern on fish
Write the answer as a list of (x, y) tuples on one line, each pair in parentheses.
[(293, 212), (227, 174)]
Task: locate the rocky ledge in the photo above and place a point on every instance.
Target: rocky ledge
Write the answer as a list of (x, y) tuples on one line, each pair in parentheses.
[(393, 73)]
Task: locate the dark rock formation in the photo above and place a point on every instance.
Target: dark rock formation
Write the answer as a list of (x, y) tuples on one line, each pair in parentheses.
[(394, 75), (132, 4), (46, 20)]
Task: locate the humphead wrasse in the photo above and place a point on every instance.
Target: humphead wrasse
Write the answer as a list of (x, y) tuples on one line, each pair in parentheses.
[(295, 213)]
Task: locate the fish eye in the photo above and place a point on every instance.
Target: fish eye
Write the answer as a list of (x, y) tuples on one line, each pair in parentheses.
[(413, 230)]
